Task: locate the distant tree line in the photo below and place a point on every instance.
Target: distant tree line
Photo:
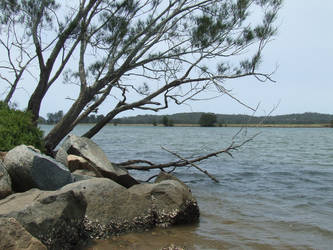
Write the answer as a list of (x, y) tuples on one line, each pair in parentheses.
[(203, 119), (53, 118), (223, 119)]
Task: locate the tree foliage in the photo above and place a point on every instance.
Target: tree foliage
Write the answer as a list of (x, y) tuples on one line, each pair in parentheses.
[(167, 122), (130, 54), (53, 118), (207, 120), (16, 128)]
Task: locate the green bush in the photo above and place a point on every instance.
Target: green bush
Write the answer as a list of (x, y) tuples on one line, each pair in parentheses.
[(16, 128)]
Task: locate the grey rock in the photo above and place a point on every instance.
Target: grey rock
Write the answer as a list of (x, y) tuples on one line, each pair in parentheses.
[(104, 198), (30, 169), (5, 182), (113, 209), (14, 237), (53, 217), (49, 174), (97, 159), (173, 203), (81, 175), (85, 172), (61, 156), (163, 176), (34, 149)]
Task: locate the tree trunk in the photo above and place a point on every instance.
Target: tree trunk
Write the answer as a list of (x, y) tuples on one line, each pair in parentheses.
[(37, 96), (11, 92), (43, 84), (63, 127), (14, 86), (35, 103), (95, 129)]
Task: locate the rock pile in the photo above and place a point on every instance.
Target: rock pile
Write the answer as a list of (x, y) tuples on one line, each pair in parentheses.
[(58, 204), (29, 169)]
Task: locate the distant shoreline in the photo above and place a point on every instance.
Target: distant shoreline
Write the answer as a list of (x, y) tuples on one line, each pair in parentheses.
[(324, 125), (305, 120), (234, 125)]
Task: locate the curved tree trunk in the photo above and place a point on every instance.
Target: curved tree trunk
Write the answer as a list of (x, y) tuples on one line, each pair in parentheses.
[(37, 96), (36, 101), (95, 129), (11, 92), (66, 125), (46, 69)]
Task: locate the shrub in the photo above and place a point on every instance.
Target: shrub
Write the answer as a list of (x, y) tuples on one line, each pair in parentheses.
[(16, 128)]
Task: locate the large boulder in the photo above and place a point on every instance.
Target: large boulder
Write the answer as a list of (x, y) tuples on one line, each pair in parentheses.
[(14, 237), (53, 217), (97, 159), (164, 176), (5, 182), (104, 198), (171, 202), (113, 209), (30, 169)]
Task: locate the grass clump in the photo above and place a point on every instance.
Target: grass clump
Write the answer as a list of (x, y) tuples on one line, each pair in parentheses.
[(16, 128)]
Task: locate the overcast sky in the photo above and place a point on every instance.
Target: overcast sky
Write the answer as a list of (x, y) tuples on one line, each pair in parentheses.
[(303, 51)]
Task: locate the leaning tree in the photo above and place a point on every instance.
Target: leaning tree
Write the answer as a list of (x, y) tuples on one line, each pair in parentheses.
[(129, 54)]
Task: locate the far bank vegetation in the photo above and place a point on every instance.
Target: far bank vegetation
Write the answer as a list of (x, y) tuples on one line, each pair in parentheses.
[(201, 119)]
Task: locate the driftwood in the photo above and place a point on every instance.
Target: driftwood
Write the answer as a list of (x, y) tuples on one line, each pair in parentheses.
[(183, 162)]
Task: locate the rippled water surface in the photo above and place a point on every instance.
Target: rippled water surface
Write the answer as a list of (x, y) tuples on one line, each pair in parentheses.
[(275, 193)]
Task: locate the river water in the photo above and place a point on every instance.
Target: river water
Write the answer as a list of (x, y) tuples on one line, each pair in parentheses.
[(275, 193)]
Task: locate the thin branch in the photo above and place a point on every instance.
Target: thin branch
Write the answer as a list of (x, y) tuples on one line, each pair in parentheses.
[(192, 164), (183, 162), (130, 162)]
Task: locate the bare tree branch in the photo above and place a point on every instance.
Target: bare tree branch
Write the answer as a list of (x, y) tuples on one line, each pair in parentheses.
[(192, 164), (184, 162), (181, 48)]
